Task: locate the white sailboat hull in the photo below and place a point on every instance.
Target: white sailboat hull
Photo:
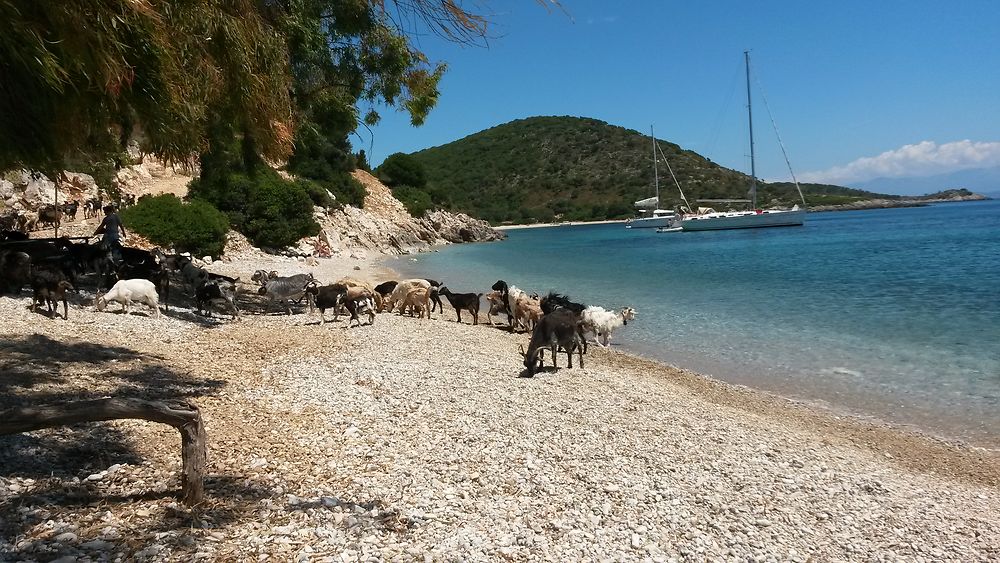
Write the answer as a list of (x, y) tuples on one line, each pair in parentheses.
[(650, 222), (744, 220)]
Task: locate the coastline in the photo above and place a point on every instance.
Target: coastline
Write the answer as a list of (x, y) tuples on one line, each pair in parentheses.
[(561, 224), (375, 441), (781, 407)]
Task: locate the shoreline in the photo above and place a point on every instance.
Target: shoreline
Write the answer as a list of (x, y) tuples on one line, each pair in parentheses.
[(826, 414), (374, 441), (561, 224)]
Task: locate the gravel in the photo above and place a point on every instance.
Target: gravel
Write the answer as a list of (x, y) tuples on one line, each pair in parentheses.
[(416, 440)]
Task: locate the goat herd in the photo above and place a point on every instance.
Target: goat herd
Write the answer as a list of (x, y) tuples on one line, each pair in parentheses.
[(52, 267), (17, 225)]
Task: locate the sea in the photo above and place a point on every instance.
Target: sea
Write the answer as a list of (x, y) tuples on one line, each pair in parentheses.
[(890, 314)]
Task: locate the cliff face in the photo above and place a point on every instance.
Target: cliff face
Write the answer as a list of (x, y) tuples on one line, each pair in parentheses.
[(385, 227), (382, 227)]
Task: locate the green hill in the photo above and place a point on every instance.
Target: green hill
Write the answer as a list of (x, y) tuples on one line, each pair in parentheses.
[(571, 168)]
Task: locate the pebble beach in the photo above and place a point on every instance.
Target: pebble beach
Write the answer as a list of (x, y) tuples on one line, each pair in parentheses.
[(416, 440)]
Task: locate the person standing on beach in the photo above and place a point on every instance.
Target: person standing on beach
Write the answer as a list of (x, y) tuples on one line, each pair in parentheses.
[(112, 227)]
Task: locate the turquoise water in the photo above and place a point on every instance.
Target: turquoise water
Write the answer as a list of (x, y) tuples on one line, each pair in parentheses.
[(890, 313)]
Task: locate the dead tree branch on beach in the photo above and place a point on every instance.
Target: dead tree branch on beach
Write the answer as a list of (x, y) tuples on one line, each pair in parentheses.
[(183, 416)]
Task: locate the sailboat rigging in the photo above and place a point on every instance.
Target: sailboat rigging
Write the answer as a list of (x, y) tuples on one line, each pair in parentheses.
[(652, 215), (754, 217)]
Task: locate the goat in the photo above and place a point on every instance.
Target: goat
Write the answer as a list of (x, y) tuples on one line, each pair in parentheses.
[(527, 311), (261, 276), (353, 282), (418, 299), (11, 235), (156, 273), (284, 289), (496, 301), (326, 297), (15, 270), (435, 296), (69, 209), (510, 296), (361, 304), (49, 215), (554, 301), (92, 207), (463, 301), (402, 289), (603, 322), (558, 328), (127, 291), (49, 284), (216, 291)]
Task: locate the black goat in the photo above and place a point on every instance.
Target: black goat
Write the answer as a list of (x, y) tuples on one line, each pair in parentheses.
[(15, 270), (364, 303), (385, 288), (460, 301), (11, 235), (554, 301), (435, 296), (327, 297), (49, 284), (216, 291), (559, 328)]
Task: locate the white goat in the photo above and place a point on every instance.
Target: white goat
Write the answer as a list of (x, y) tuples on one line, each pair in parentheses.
[(603, 322), (402, 289), (127, 291)]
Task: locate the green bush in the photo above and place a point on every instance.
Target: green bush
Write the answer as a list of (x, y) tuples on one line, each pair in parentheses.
[(317, 193), (270, 210), (400, 169), (196, 227), (417, 201)]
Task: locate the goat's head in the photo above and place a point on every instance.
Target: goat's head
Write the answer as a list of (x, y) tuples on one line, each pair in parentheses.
[(628, 314), (100, 302)]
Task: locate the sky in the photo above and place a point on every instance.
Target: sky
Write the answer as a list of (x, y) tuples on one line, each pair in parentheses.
[(857, 90)]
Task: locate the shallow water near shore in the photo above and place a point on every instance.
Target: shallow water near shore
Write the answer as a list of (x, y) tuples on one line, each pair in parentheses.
[(889, 313)]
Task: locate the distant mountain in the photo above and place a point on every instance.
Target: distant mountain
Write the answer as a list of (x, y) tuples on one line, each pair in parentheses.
[(979, 180), (573, 168)]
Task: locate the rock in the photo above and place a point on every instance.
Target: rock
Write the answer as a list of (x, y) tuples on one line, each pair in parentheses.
[(66, 537)]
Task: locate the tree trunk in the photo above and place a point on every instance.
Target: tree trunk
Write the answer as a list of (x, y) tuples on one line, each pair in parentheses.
[(183, 416)]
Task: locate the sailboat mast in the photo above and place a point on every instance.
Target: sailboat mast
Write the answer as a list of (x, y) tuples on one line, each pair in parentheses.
[(753, 168), (656, 173)]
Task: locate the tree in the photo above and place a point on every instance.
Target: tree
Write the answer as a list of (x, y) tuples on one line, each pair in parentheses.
[(84, 76), (80, 77), (402, 169)]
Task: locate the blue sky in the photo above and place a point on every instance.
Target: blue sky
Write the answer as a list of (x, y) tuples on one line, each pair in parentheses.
[(858, 90)]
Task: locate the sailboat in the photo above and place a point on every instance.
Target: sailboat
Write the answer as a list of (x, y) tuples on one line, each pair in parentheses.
[(754, 217), (651, 215)]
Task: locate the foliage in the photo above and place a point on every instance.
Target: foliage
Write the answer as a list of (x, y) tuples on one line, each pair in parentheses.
[(400, 169), (196, 227), (416, 201), (270, 210), (362, 160), (78, 76), (570, 168), (324, 156)]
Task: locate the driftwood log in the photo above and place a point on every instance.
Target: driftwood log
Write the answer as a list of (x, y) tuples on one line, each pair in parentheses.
[(183, 416)]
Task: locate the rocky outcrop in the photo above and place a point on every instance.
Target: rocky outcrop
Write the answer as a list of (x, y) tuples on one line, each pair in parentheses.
[(459, 227), (23, 191), (385, 227), (914, 201)]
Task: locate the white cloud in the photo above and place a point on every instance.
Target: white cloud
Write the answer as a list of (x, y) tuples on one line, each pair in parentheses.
[(926, 158)]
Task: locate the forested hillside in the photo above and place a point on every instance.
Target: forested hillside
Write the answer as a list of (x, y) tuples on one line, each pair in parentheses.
[(570, 168)]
